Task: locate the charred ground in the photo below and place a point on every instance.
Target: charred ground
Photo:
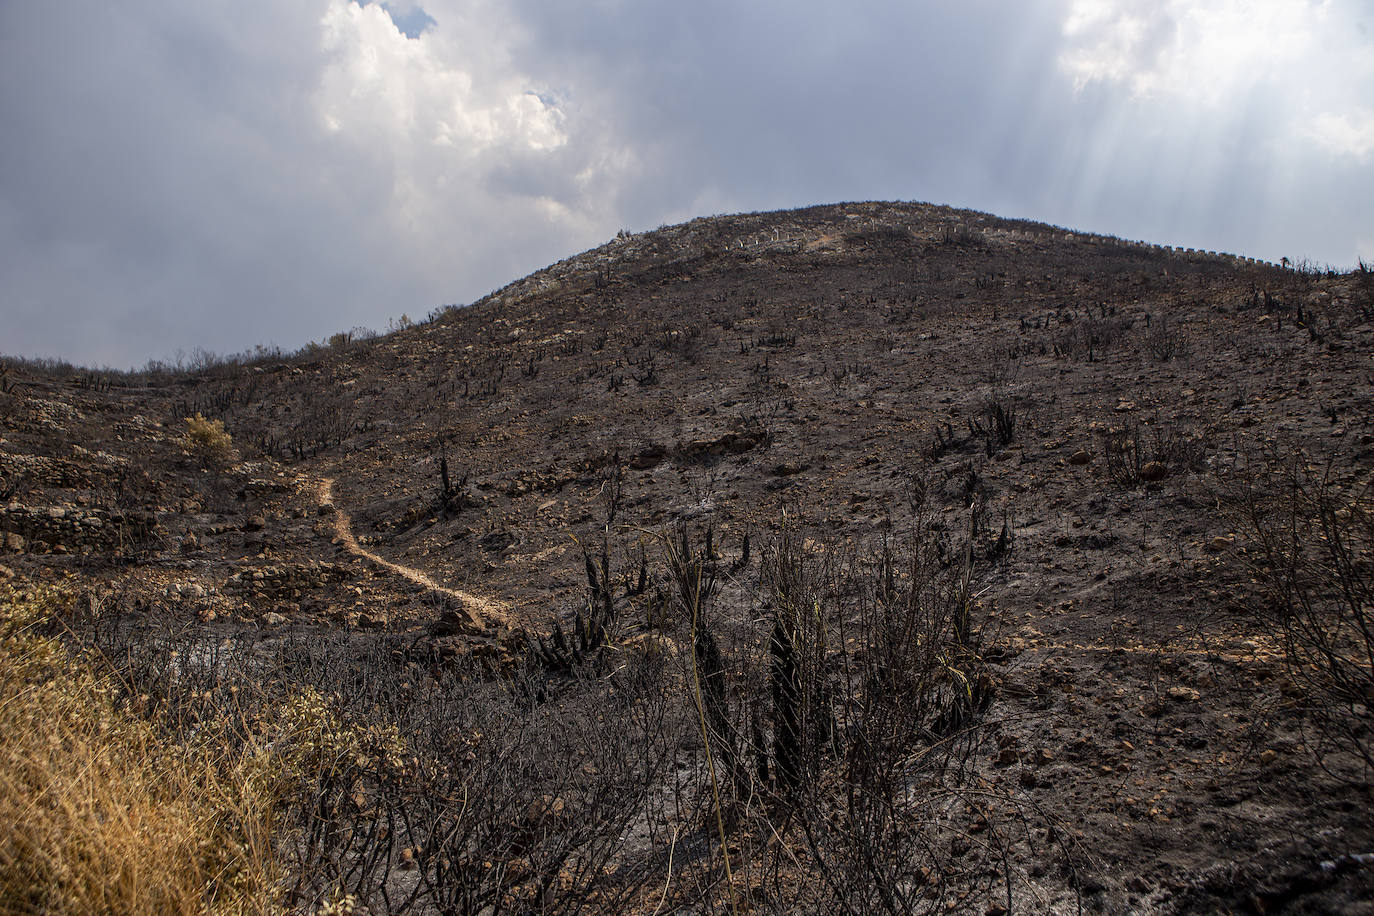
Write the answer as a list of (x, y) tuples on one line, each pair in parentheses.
[(1092, 433)]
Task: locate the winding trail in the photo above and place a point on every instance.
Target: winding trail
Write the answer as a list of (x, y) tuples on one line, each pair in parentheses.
[(484, 613)]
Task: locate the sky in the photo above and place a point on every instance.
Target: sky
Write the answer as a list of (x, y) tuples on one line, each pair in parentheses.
[(228, 173)]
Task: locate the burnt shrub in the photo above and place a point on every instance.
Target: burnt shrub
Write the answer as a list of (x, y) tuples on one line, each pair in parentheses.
[(1309, 543), (1139, 452)]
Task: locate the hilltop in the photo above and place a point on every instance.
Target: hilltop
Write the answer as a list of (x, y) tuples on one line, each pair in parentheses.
[(1071, 454)]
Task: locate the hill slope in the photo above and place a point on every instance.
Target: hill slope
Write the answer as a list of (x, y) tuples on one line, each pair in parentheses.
[(1081, 423)]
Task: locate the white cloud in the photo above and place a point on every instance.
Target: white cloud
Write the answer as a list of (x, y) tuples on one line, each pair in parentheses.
[(462, 131), (1345, 134), (1116, 41), (379, 83), (1208, 50), (1243, 113)]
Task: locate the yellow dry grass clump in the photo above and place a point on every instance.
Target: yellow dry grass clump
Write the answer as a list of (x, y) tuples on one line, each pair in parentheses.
[(99, 813)]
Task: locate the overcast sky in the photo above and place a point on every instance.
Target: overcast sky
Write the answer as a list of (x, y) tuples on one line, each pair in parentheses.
[(224, 173)]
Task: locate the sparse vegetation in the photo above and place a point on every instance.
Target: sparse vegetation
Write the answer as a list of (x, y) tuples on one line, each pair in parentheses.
[(995, 424), (961, 235), (1165, 341), (1087, 336), (1364, 286), (907, 594)]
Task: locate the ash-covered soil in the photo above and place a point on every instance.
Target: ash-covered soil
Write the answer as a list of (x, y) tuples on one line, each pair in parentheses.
[(1088, 412)]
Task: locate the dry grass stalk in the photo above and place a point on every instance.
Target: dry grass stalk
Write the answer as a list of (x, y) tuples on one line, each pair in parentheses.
[(101, 814)]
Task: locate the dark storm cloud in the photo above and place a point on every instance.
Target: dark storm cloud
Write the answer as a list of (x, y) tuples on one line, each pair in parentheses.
[(221, 174)]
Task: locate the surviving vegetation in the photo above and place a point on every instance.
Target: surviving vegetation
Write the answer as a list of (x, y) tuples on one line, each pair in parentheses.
[(875, 558)]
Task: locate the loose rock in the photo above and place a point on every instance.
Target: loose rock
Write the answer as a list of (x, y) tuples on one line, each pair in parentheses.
[(1153, 471)]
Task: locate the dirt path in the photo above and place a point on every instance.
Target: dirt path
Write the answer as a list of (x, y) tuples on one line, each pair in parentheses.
[(484, 613)]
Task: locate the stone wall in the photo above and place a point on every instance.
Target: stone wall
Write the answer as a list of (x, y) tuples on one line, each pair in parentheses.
[(285, 581), (66, 528)]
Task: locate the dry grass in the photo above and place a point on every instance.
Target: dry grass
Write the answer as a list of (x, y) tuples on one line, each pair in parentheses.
[(99, 813)]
